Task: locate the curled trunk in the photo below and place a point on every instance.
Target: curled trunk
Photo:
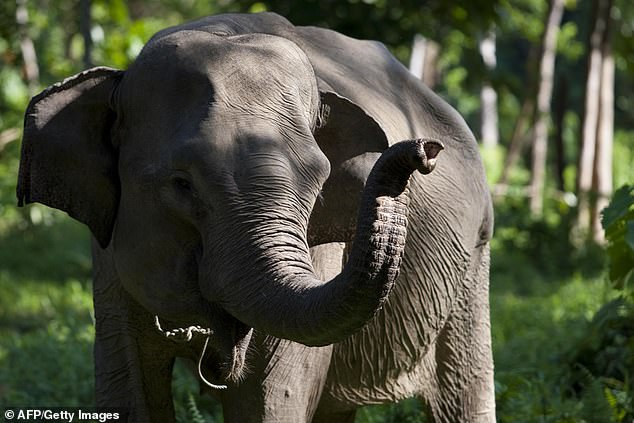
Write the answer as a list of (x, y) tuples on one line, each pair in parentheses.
[(289, 301)]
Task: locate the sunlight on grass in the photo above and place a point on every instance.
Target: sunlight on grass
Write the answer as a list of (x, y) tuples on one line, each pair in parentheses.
[(46, 337), (533, 338), (29, 303)]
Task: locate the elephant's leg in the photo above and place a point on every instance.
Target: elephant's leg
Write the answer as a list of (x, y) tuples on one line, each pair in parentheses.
[(464, 362), (284, 383), (133, 364)]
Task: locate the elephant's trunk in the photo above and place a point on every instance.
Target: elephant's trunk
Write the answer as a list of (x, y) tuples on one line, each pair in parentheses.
[(288, 301)]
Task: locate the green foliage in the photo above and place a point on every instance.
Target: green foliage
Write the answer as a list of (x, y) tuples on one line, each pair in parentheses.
[(540, 246), (407, 411), (46, 337), (531, 334), (601, 363), (395, 23), (26, 248), (555, 359), (192, 407), (126, 36), (602, 360), (596, 408), (188, 404), (618, 223), (623, 158)]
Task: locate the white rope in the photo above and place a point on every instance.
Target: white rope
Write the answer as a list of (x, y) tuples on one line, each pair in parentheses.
[(186, 335), (181, 334), (200, 372)]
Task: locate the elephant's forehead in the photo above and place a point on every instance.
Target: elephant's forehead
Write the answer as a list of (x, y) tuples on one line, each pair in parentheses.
[(181, 77), (197, 57)]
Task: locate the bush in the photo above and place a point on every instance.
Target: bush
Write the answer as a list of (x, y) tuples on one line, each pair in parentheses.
[(602, 361)]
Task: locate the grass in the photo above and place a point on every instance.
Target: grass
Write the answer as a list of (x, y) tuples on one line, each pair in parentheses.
[(46, 325), (46, 328), (532, 337), (46, 335)]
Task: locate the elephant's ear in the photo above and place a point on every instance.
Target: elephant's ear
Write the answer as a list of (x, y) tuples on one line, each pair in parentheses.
[(347, 130), (352, 140), (68, 161)]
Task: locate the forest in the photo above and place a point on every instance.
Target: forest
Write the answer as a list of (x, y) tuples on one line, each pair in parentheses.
[(547, 87)]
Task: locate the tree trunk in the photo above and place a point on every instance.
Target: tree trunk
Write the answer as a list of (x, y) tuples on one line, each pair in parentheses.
[(424, 60), (488, 95), (526, 116), (85, 24), (560, 113), (598, 39), (31, 69), (544, 95), (602, 180)]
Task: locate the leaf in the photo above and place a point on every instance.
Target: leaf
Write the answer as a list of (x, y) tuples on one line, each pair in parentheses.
[(629, 236), (621, 205), (618, 222)]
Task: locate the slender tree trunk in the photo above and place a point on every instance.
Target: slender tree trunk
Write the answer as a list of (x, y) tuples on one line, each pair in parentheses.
[(417, 58), (544, 95), (560, 113), (424, 60), (518, 138), (85, 24), (602, 180), (31, 69), (593, 95), (522, 123), (488, 95)]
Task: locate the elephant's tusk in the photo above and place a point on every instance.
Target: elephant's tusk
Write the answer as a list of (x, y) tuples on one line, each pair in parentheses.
[(200, 371)]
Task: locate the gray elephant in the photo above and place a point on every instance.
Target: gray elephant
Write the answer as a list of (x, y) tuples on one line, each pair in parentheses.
[(207, 170)]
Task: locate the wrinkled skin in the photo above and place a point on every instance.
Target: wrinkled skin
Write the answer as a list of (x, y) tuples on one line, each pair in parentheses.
[(207, 170)]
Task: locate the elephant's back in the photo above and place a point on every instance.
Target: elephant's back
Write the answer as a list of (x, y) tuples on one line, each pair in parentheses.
[(367, 74)]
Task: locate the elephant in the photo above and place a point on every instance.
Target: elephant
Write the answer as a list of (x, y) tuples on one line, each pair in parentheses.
[(262, 203)]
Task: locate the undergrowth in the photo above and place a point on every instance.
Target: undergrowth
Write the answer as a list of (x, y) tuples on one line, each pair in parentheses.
[(562, 346)]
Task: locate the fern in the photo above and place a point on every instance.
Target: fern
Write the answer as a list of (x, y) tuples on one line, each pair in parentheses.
[(193, 411), (596, 408)]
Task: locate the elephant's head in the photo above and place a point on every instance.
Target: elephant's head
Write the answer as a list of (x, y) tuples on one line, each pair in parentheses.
[(198, 168)]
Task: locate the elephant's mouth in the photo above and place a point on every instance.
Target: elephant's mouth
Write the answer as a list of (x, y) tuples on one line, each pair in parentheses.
[(219, 344), (226, 358), (220, 354)]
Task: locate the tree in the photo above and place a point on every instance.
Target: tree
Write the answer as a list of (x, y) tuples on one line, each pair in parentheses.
[(85, 23), (423, 61), (488, 95), (31, 68), (544, 95), (602, 169), (594, 181)]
